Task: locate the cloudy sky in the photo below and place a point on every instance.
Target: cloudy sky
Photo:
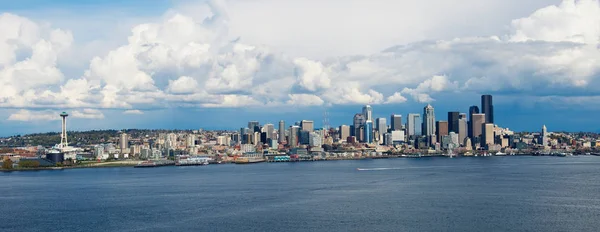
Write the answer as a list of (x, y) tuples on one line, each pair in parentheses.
[(218, 64)]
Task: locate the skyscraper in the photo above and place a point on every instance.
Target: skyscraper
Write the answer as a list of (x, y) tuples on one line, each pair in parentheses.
[(487, 108), (368, 113), (368, 131), (477, 121), (381, 125), (544, 136), (487, 131), (344, 132), (428, 120), (413, 125), (441, 129), (472, 110), (268, 129), (453, 122), (254, 126), (359, 121), (462, 130), (396, 122), (293, 136), (124, 142), (307, 125), (281, 131)]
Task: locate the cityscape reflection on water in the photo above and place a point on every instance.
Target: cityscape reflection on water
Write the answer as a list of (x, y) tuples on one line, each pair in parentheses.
[(427, 194)]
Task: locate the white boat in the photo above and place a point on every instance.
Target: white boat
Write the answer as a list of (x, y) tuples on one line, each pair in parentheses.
[(500, 154)]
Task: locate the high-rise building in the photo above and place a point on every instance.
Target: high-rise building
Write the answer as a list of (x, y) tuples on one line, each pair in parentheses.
[(190, 141), (544, 136), (381, 125), (307, 125), (124, 142), (315, 139), (477, 120), (359, 121), (453, 122), (268, 129), (428, 120), (472, 110), (293, 136), (413, 125), (281, 133), (487, 108), (462, 115), (396, 122), (254, 126), (463, 128), (368, 113), (441, 129), (368, 132), (304, 137), (487, 132), (344, 132)]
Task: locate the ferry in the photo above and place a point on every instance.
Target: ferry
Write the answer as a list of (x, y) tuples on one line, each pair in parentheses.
[(146, 164), (154, 163), (193, 161), (249, 160)]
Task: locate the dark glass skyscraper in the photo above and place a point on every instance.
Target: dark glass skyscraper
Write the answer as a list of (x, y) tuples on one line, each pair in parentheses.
[(453, 122), (472, 110), (487, 108)]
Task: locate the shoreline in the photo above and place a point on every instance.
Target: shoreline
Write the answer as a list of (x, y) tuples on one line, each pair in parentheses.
[(131, 165)]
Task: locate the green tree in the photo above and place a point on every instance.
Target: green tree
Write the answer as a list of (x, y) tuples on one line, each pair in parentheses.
[(7, 164), (29, 164)]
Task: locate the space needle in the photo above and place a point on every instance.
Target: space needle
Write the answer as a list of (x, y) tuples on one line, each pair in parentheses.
[(63, 136)]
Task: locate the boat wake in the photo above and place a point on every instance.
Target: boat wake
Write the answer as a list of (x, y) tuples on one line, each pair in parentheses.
[(377, 169)]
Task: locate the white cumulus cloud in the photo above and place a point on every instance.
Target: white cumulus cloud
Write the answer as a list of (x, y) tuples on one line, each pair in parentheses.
[(28, 115)]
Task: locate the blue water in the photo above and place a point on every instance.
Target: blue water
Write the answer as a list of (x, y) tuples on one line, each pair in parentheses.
[(428, 194)]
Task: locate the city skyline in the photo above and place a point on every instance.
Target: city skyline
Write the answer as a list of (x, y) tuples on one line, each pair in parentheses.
[(194, 64)]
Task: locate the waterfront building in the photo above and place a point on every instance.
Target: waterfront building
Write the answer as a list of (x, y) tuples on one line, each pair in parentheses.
[(462, 129), (344, 132), (413, 125), (281, 133), (381, 125), (487, 108), (487, 131), (396, 122), (441, 129), (307, 125), (453, 122), (247, 148)]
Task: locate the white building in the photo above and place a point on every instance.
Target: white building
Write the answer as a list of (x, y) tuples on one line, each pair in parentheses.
[(315, 139)]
